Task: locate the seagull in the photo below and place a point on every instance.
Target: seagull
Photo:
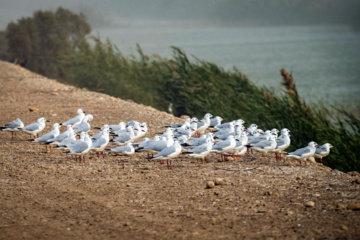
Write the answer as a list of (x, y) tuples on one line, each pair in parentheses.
[(99, 144), (169, 153), (48, 136), (71, 141), (200, 140), (84, 126), (216, 121), (81, 148), (323, 151), (96, 136), (35, 128), (128, 149), (282, 143), (201, 151), (224, 146), (252, 128), (177, 125), (125, 137), (76, 120), (13, 127), (57, 140), (265, 146), (119, 127), (304, 153), (203, 124), (235, 122)]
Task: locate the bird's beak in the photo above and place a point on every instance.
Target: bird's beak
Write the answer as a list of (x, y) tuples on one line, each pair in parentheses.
[(333, 147), (48, 120)]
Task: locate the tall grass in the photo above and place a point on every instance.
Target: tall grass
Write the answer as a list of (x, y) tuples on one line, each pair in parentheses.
[(198, 87)]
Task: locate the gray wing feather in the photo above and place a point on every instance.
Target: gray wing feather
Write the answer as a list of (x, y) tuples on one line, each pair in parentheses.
[(32, 127)]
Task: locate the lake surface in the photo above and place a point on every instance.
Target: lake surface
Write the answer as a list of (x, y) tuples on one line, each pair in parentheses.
[(324, 60)]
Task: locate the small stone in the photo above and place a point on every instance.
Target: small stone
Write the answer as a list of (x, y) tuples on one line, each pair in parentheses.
[(210, 184), (357, 181), (128, 185), (310, 204), (267, 193), (319, 179), (289, 213), (343, 227), (219, 181), (226, 180), (33, 109), (299, 178), (353, 206), (340, 206)]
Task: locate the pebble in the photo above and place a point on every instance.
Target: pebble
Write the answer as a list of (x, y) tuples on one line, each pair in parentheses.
[(310, 204), (219, 181), (343, 227), (357, 181), (340, 206), (299, 178), (33, 109), (353, 206), (210, 184)]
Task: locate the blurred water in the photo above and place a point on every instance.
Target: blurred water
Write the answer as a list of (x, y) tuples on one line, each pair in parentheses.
[(324, 60)]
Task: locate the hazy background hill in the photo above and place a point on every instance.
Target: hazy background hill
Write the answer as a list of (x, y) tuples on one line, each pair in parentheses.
[(110, 13)]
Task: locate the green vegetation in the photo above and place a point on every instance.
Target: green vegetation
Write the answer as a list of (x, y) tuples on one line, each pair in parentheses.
[(37, 42), (198, 87)]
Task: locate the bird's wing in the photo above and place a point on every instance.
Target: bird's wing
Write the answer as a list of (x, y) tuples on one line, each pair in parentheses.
[(99, 142), (166, 152), (13, 124), (32, 127), (79, 148), (301, 151)]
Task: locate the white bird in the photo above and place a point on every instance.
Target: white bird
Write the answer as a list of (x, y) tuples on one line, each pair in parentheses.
[(13, 127), (201, 151), (76, 120), (71, 141), (35, 128), (119, 127), (229, 128), (128, 149), (265, 146), (262, 137), (282, 143), (169, 153), (216, 121), (57, 140), (49, 136), (141, 144), (237, 133), (200, 140), (203, 124), (158, 146), (323, 151), (226, 125), (304, 153), (132, 123), (81, 148), (252, 128), (99, 134), (125, 137), (177, 125), (224, 146), (84, 126), (99, 144)]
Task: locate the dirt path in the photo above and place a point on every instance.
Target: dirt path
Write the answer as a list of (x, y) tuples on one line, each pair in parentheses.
[(47, 196)]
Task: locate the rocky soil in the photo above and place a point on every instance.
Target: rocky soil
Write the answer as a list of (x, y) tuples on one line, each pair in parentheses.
[(47, 196)]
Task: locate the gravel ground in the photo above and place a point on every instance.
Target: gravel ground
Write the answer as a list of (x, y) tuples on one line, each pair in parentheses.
[(47, 196)]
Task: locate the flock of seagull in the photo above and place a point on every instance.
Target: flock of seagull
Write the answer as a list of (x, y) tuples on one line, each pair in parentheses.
[(194, 137)]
